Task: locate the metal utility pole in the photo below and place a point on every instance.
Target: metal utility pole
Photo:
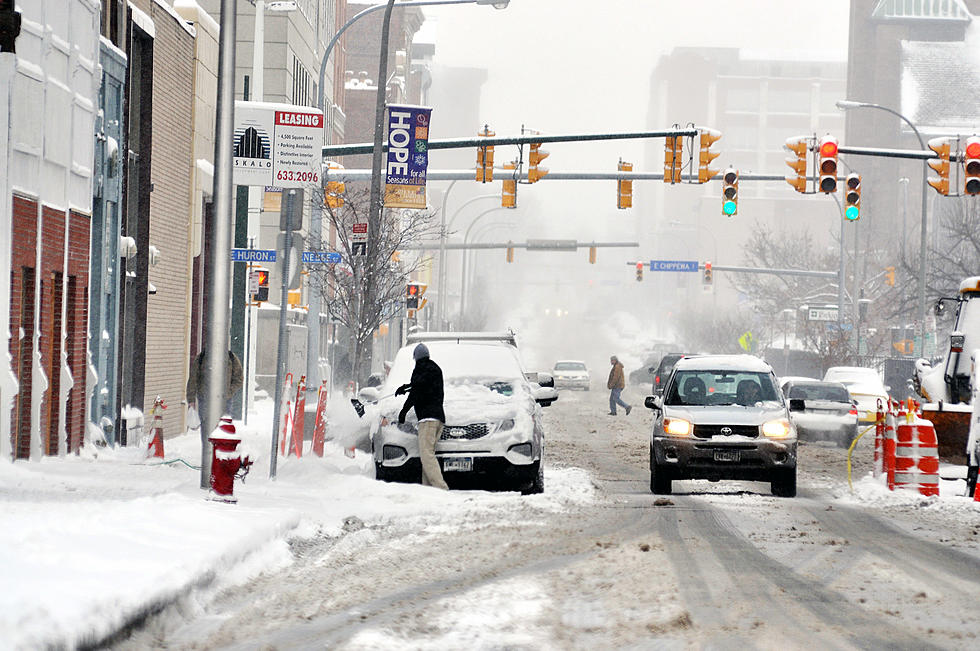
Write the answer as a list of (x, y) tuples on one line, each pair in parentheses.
[(219, 262), (281, 353)]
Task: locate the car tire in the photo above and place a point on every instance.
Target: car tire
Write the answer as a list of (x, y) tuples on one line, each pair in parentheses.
[(784, 485), (536, 487), (660, 482)]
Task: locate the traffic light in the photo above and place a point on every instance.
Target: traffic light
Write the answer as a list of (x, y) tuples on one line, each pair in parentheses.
[(534, 172), (890, 276), (708, 138), (799, 146), (510, 254), (941, 165), (828, 165), (624, 187), (333, 192), (262, 283), (673, 159), (412, 296), (639, 271), (509, 196), (591, 255), (972, 166), (706, 278), (484, 158), (852, 197), (729, 192)]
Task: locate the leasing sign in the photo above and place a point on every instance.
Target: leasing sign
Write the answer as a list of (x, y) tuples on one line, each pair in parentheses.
[(277, 144)]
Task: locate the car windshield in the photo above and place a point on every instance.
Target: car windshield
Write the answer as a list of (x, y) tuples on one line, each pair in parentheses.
[(493, 365), (818, 392), (569, 366), (721, 387)]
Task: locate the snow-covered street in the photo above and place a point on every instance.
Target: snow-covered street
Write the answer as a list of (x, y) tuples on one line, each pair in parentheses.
[(106, 549)]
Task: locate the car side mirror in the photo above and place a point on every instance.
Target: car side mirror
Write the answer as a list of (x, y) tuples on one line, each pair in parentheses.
[(653, 402), (546, 379), (544, 396), (797, 404)]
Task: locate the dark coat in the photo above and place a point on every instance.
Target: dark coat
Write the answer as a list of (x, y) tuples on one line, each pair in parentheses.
[(425, 392)]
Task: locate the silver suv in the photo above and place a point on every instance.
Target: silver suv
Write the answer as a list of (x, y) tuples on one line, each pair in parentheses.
[(722, 417)]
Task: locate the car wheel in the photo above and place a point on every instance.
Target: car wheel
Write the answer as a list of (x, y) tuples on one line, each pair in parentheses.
[(537, 486), (660, 482), (785, 483)]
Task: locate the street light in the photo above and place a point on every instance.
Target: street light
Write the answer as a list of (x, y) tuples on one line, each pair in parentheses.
[(844, 105)]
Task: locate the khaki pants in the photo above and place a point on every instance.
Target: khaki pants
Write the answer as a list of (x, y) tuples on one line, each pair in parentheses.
[(429, 431)]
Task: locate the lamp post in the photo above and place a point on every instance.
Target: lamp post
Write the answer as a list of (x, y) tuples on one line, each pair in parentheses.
[(921, 285), (316, 227), (466, 239)]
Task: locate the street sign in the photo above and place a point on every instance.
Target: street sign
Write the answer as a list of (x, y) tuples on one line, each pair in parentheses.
[(821, 314), (359, 238), (552, 245), (253, 255), (746, 341), (674, 265), (277, 144), (319, 257)]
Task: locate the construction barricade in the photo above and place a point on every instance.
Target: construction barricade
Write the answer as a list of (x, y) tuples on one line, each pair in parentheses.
[(155, 447), (299, 418), (320, 424), (285, 413), (909, 451)]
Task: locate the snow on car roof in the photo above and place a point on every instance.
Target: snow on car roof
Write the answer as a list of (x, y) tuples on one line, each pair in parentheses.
[(723, 362), (462, 359), (569, 361)]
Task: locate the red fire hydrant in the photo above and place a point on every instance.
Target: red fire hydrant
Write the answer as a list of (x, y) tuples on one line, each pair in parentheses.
[(226, 461)]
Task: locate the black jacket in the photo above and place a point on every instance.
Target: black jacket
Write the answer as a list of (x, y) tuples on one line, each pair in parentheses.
[(425, 391)]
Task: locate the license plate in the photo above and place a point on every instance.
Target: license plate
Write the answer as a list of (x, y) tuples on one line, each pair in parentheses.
[(457, 464), (727, 455)]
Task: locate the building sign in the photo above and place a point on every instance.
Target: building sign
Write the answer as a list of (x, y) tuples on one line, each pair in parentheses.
[(277, 144), (821, 314), (408, 156)]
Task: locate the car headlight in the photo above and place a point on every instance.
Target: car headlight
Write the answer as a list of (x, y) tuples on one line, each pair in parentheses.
[(505, 425), (777, 429), (677, 427)]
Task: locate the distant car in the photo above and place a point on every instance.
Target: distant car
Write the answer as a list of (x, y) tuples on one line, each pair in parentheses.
[(722, 417), (865, 387), (828, 414), (571, 374), (494, 432), (662, 373)]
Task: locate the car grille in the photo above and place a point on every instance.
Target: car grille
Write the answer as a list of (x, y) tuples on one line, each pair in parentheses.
[(707, 431), (468, 432)]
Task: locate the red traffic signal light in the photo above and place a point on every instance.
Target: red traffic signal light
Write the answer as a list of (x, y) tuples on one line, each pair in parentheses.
[(639, 271), (828, 165), (972, 166), (707, 279)]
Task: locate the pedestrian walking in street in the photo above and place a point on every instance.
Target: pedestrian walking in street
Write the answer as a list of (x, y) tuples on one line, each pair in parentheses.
[(425, 394), (616, 383)]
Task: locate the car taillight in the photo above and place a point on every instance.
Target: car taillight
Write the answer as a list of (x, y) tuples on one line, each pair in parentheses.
[(657, 380), (853, 411)]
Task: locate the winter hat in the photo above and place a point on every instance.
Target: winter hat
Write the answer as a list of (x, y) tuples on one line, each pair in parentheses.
[(421, 352)]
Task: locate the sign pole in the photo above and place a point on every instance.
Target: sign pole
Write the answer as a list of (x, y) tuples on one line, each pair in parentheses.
[(281, 353)]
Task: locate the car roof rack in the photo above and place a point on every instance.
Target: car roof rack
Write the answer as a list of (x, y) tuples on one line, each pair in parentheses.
[(505, 336)]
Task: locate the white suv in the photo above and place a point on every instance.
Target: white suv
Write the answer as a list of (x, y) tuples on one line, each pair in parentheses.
[(493, 435)]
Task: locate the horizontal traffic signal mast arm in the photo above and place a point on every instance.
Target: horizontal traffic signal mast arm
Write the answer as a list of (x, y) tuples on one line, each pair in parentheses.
[(530, 245), (463, 143), (760, 270), (503, 174)]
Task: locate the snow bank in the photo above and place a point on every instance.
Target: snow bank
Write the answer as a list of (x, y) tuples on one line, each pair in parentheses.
[(91, 542)]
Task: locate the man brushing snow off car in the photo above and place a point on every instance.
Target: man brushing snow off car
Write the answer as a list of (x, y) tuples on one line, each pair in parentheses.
[(425, 394)]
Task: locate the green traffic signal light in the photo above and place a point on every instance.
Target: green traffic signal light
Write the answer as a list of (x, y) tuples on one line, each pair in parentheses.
[(729, 208), (852, 213)]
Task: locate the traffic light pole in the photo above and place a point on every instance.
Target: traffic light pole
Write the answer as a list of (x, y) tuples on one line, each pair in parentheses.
[(761, 270)]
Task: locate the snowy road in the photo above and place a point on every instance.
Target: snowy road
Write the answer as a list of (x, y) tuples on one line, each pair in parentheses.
[(721, 565)]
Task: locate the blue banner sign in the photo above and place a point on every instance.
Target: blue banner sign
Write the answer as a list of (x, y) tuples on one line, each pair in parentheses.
[(319, 257), (253, 255), (408, 156), (674, 265)]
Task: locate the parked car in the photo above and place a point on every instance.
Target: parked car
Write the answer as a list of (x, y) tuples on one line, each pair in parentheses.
[(722, 417), (493, 436), (662, 373), (571, 374), (829, 413), (865, 387)]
